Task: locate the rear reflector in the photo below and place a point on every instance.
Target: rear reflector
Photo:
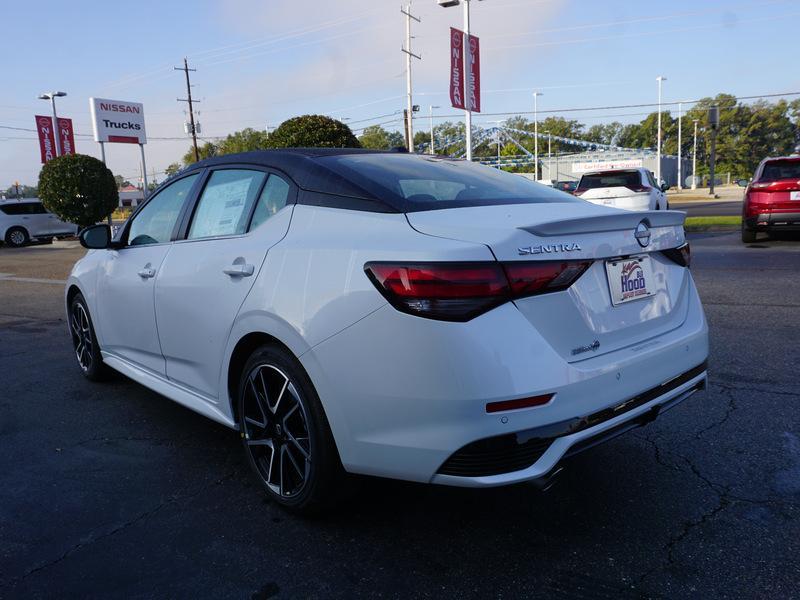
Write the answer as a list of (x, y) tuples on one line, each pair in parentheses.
[(493, 407), (461, 291)]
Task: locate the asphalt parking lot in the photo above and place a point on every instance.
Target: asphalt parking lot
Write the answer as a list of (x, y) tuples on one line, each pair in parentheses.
[(111, 490)]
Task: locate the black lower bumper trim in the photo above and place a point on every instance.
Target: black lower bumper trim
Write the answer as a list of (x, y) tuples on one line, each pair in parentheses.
[(517, 451)]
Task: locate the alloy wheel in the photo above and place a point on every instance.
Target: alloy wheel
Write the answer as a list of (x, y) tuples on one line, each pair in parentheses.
[(81, 336), (275, 430), (17, 238)]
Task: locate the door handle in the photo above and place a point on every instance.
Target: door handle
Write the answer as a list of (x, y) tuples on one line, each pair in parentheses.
[(147, 273), (239, 270)]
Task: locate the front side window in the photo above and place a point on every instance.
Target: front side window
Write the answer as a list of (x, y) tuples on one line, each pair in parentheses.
[(224, 207), (273, 198), (37, 208), (155, 222)]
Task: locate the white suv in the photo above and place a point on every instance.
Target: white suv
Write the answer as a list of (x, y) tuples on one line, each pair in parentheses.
[(630, 189), (23, 220)]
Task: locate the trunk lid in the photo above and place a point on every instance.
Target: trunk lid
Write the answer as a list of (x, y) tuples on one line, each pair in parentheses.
[(583, 316), (782, 195)]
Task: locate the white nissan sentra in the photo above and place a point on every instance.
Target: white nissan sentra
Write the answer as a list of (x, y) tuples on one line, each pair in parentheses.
[(390, 314)]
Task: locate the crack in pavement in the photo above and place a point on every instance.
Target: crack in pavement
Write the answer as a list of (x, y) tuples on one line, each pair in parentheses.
[(730, 410), (138, 518), (725, 499)]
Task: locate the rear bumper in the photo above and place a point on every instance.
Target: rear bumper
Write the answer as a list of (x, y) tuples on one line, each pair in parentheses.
[(404, 394), (789, 221), (546, 446)]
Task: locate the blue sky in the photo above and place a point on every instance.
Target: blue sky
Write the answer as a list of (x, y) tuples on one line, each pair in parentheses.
[(260, 62)]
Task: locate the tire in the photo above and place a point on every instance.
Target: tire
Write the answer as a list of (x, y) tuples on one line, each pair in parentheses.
[(748, 235), (84, 341), (16, 237), (288, 441)]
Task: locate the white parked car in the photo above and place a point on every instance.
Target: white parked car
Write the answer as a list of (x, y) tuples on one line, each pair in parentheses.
[(24, 220), (388, 314), (630, 189)]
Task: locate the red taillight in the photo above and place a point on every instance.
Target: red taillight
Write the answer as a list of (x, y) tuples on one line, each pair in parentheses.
[(639, 189), (681, 255), (528, 278), (461, 291), (579, 191)]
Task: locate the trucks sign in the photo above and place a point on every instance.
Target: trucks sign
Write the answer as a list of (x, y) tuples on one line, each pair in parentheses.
[(117, 121)]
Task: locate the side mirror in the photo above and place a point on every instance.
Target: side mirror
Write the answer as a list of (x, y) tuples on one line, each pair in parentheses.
[(664, 187), (742, 182), (96, 237)]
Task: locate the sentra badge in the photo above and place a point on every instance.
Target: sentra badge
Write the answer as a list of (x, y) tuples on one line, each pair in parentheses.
[(549, 248)]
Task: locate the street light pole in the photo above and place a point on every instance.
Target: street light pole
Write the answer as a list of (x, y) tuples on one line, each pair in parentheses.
[(536, 135), (52, 97), (694, 158), (549, 155), (430, 115), (680, 154), (660, 80), (467, 83)]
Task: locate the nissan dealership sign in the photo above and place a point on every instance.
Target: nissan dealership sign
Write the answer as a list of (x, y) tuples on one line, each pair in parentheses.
[(117, 121)]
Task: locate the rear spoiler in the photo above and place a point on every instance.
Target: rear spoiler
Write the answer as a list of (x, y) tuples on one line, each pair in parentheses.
[(615, 222)]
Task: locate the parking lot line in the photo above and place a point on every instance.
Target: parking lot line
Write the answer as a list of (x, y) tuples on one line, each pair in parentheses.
[(9, 277)]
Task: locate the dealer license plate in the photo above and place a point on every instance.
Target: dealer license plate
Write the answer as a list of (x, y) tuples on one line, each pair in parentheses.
[(630, 279)]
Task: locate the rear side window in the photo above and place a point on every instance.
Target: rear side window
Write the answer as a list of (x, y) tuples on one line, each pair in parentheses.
[(155, 222), (628, 179), (780, 169), (12, 209), (273, 197), (412, 182)]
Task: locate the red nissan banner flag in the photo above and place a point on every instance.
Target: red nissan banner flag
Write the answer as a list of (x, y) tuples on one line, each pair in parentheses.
[(456, 68), (474, 93), (66, 136), (47, 139)]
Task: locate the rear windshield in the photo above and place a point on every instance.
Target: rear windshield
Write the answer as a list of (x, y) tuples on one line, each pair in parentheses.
[(628, 179), (780, 169), (413, 183)]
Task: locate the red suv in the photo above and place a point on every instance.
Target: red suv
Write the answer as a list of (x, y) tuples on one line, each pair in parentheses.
[(772, 198)]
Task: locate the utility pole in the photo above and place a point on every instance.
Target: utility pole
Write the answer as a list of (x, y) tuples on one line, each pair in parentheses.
[(409, 55), (405, 129), (694, 158), (189, 100)]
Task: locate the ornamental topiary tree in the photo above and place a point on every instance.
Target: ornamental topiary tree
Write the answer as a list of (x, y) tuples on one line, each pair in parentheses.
[(312, 131), (78, 188)]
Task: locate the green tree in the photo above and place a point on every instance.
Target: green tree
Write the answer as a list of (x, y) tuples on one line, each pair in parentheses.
[(207, 150), (172, 169), (313, 131), (121, 181), (375, 137), (245, 140), (78, 188)]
